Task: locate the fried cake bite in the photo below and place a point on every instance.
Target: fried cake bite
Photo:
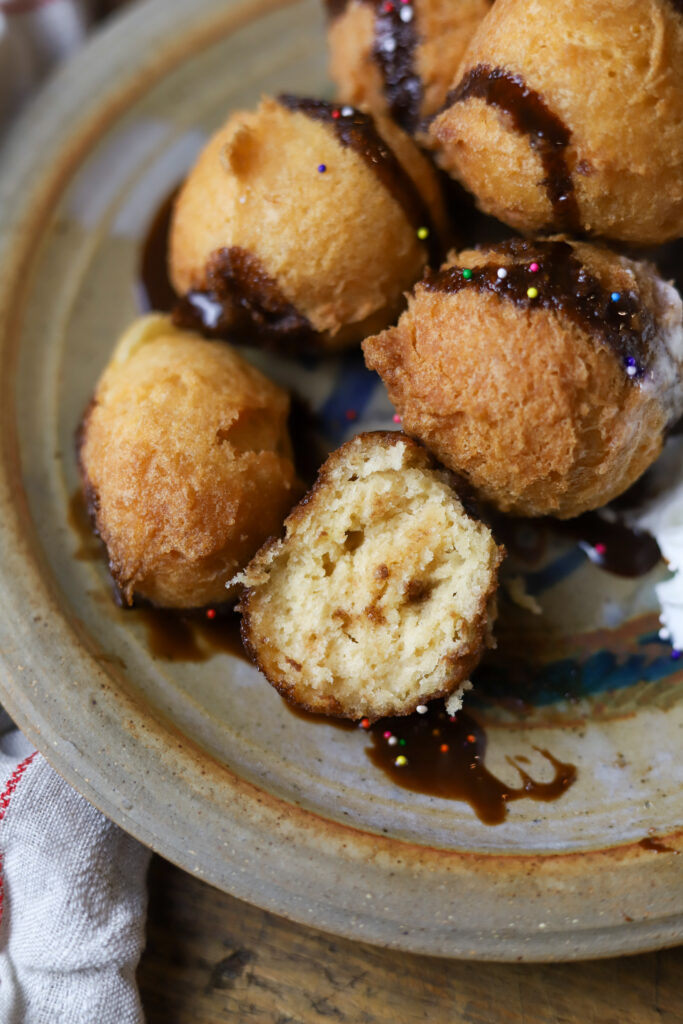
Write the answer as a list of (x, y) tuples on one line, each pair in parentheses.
[(185, 462), (547, 373), (568, 115), (381, 595), (302, 224), (400, 58)]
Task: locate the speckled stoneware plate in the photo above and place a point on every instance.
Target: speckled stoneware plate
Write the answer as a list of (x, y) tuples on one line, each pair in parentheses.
[(201, 760)]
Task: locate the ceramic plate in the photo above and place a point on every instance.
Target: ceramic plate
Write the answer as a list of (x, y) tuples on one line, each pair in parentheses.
[(201, 760)]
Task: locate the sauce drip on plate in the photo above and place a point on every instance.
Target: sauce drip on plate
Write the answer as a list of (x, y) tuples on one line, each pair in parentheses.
[(172, 634), (609, 544), (444, 756), (157, 291), (654, 844), (612, 545)]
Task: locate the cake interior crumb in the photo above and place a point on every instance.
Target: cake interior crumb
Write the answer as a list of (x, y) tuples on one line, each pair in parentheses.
[(380, 588)]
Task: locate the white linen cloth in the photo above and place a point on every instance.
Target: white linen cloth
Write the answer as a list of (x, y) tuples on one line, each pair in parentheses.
[(72, 900), (72, 884)]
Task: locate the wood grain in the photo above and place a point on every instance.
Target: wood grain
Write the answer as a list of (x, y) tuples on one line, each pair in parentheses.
[(211, 959)]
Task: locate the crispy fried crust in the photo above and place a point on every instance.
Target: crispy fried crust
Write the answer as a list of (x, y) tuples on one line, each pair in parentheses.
[(610, 74), (537, 413), (185, 463), (443, 31), (391, 593), (336, 244)]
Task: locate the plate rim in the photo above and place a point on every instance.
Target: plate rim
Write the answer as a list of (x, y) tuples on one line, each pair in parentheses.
[(78, 105)]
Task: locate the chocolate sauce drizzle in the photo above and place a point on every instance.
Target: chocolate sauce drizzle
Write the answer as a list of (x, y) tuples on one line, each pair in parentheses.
[(393, 51), (335, 8), (609, 544), (241, 298), (548, 135), (444, 756), (656, 845), (158, 294), (90, 548), (190, 635), (612, 546), (564, 286), (357, 131)]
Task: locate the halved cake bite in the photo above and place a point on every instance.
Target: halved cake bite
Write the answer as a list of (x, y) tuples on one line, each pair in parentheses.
[(381, 595)]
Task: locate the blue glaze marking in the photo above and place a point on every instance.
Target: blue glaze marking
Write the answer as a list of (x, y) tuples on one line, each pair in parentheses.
[(353, 389), (573, 679), (555, 572)]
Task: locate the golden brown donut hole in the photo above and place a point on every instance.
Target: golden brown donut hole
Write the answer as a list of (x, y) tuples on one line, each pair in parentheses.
[(186, 464), (610, 76), (441, 31), (335, 245), (538, 412)]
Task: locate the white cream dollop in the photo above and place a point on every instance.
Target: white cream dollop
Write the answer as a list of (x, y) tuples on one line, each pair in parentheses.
[(662, 516)]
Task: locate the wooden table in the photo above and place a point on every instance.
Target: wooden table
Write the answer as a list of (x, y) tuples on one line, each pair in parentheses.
[(211, 959)]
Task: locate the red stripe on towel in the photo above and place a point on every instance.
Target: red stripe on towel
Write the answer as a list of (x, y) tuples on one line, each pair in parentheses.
[(22, 6), (5, 798)]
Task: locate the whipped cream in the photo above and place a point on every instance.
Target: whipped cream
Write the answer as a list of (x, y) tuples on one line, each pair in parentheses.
[(662, 516)]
